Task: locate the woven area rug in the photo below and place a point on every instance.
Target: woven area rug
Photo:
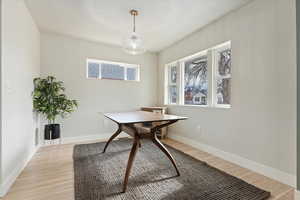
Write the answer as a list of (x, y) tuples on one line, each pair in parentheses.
[(100, 176)]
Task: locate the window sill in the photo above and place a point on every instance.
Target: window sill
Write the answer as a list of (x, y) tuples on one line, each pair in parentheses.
[(200, 106), (110, 79)]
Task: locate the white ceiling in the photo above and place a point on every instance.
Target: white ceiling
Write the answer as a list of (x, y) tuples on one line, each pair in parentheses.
[(160, 22)]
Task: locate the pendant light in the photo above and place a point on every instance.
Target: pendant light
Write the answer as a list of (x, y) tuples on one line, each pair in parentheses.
[(133, 44)]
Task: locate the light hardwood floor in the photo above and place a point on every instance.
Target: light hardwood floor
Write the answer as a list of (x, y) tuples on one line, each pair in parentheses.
[(49, 175)]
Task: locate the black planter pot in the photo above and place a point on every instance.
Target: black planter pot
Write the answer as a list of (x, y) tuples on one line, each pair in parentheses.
[(52, 131)]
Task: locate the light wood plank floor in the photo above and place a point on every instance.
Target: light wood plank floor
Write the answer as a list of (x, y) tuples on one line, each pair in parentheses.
[(49, 175)]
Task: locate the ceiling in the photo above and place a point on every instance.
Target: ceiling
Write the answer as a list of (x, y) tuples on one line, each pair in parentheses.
[(160, 22)]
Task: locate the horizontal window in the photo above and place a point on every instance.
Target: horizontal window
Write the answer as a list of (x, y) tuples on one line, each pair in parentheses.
[(98, 69), (201, 79)]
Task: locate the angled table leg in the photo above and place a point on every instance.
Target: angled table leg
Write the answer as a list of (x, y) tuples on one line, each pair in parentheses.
[(132, 154), (165, 150), (113, 137)]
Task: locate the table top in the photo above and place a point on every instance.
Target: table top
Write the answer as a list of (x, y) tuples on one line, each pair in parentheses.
[(141, 117)]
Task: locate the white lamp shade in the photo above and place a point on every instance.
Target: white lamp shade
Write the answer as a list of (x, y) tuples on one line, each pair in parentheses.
[(133, 44)]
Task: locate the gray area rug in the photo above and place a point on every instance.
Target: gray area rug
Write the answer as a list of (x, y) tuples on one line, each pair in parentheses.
[(100, 176)]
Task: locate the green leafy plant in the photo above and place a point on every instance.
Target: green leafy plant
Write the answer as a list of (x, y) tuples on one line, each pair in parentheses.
[(49, 99)]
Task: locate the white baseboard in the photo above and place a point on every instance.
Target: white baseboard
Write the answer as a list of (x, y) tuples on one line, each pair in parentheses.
[(9, 181), (86, 138), (267, 171), (102, 136), (68, 140)]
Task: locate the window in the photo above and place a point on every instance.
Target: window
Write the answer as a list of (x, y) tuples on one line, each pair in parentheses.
[(112, 71), (222, 75), (93, 70), (98, 69), (131, 74), (196, 81), (201, 79), (172, 83)]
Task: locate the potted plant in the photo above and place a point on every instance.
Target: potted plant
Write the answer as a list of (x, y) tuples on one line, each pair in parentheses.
[(49, 100)]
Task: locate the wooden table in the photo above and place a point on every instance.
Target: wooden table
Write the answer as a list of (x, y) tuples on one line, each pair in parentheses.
[(131, 123)]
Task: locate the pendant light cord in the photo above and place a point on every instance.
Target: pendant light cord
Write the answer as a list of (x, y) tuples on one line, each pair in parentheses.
[(134, 23), (134, 13)]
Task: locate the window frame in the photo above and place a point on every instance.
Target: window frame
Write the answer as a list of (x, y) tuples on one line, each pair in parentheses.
[(212, 65), (124, 65)]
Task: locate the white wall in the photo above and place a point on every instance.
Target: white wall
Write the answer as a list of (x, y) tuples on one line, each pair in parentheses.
[(65, 58), (20, 63), (261, 125)]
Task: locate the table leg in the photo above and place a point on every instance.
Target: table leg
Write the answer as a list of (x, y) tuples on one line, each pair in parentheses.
[(112, 137), (165, 150), (132, 154)]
